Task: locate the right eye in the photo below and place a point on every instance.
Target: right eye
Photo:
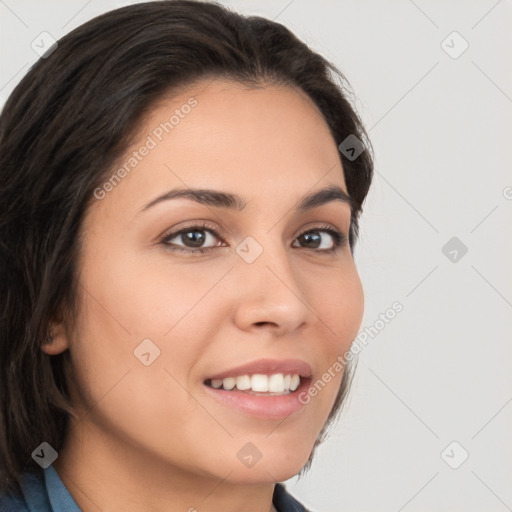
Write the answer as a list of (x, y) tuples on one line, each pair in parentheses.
[(193, 234)]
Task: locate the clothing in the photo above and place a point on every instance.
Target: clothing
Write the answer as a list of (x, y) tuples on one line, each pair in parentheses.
[(45, 492)]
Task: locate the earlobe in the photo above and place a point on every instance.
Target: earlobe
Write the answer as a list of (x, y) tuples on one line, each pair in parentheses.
[(57, 341)]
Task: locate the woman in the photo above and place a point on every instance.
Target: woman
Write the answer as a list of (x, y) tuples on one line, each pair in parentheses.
[(181, 188)]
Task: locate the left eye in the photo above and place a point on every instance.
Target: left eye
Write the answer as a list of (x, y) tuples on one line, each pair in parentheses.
[(314, 238), (193, 238)]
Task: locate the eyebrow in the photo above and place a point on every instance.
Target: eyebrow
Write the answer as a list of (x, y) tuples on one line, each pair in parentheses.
[(231, 201)]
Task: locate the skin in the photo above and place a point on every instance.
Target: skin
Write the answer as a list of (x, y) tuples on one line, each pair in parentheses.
[(150, 438)]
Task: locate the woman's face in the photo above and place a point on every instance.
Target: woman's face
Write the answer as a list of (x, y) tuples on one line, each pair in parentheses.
[(159, 329)]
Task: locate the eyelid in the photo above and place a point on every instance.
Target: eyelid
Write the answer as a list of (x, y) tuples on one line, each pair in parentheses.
[(200, 225)]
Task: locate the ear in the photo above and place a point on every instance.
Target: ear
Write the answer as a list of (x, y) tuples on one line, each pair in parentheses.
[(58, 340)]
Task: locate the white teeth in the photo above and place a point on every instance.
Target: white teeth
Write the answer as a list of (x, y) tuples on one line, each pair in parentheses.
[(276, 383), (243, 382), (294, 382), (228, 383), (259, 383)]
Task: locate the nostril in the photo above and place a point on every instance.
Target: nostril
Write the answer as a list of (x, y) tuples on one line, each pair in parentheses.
[(265, 323)]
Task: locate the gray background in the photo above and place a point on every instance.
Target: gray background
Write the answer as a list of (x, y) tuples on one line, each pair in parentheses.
[(441, 128)]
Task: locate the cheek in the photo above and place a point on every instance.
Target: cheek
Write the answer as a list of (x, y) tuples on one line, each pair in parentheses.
[(153, 295), (113, 387), (125, 305), (339, 303), (340, 307)]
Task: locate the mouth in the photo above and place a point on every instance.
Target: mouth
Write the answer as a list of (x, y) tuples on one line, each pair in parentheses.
[(266, 388), (276, 384)]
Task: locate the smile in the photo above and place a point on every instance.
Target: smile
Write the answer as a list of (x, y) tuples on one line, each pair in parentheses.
[(274, 384)]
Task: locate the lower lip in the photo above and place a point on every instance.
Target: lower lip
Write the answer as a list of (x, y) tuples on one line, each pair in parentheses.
[(262, 406)]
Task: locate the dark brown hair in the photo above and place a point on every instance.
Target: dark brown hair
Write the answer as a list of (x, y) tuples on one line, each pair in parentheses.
[(62, 129)]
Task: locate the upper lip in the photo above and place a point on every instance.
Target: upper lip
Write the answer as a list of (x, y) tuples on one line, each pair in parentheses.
[(267, 366)]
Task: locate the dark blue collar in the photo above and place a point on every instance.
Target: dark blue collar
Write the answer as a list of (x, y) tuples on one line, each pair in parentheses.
[(47, 493)]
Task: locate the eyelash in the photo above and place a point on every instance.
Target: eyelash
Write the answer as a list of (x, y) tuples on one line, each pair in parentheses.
[(339, 239)]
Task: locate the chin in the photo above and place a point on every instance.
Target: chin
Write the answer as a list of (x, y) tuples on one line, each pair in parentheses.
[(263, 474), (280, 465)]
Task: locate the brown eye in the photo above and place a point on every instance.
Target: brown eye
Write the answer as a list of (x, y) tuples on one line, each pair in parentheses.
[(314, 239), (192, 237)]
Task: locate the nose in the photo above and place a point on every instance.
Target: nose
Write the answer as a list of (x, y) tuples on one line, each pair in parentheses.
[(269, 292)]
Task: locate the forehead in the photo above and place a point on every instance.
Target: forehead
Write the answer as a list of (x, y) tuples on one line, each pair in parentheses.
[(263, 143)]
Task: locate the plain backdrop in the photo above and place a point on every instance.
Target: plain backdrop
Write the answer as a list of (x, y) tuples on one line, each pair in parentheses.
[(428, 423)]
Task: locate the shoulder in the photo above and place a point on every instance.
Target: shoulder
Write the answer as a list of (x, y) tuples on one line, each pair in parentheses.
[(285, 502), (32, 496), (12, 503)]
